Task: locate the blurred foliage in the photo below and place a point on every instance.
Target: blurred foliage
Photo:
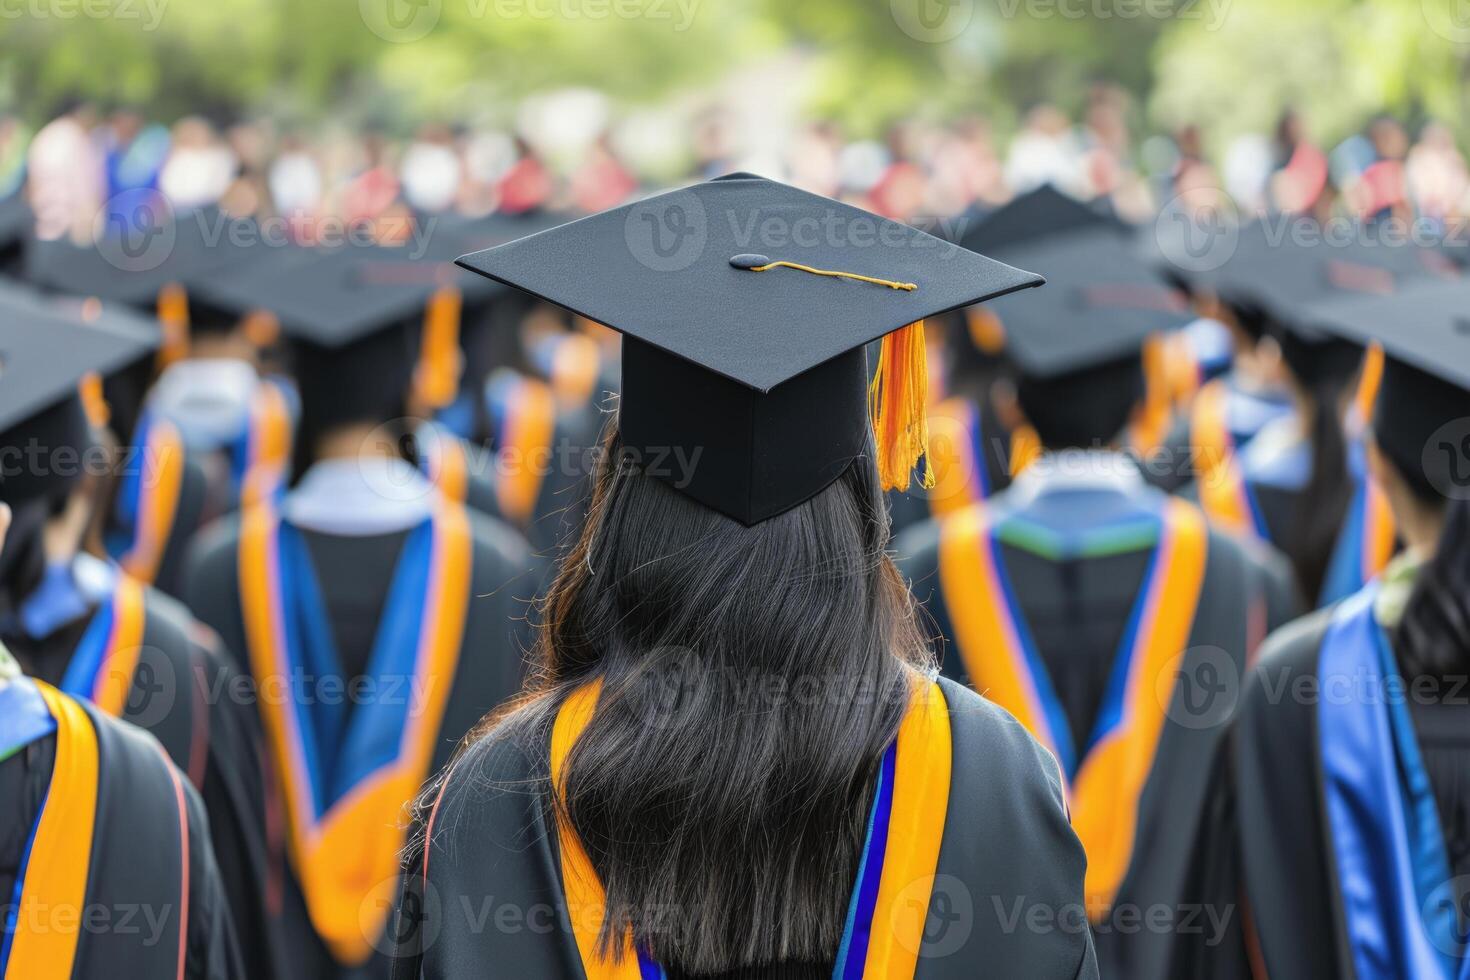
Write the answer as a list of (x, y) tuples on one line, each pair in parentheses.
[(1228, 64), (1337, 61)]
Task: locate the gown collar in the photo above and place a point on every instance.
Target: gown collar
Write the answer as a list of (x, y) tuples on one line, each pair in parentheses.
[(360, 497)]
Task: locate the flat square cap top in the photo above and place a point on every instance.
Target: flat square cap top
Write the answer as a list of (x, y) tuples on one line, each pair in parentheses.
[(46, 348), (1100, 305), (1039, 213), (679, 272), (1426, 326)]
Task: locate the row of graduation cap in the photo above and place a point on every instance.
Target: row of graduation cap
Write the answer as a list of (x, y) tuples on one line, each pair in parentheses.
[(1031, 594)]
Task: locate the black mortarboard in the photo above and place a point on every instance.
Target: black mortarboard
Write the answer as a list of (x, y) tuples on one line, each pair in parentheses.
[(744, 323), (1102, 304), (133, 264), (1425, 334), (1282, 267), (1036, 214), (351, 324), (45, 351)]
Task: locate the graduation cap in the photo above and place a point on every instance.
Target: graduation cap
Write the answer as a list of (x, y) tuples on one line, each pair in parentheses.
[(745, 306), (46, 350), (1102, 304), (1036, 214), (1282, 268), (1425, 335), (351, 323)]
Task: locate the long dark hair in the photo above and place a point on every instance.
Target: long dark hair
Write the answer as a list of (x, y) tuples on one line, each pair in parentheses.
[(1433, 638), (1324, 370), (751, 679)]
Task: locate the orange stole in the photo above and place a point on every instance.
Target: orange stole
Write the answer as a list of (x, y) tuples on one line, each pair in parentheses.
[(447, 465), (1380, 533), (958, 480), (55, 887), (1105, 791), (120, 659), (528, 430), (1221, 483), (916, 828), (349, 900), (158, 500), (269, 449)]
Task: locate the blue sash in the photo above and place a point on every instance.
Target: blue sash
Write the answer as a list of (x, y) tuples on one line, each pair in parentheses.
[(1387, 846)]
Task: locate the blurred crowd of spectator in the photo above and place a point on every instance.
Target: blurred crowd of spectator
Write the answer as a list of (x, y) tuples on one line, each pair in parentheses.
[(74, 165)]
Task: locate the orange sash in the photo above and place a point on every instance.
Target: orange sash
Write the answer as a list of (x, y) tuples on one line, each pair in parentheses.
[(347, 860), (55, 888), (522, 457), (920, 803), (158, 500), (1109, 780)]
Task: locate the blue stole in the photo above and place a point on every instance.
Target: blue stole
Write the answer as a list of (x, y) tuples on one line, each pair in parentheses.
[(344, 744), (1387, 847)]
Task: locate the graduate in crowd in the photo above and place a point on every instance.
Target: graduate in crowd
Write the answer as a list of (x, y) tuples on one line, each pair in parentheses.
[(1091, 605), (105, 857), (84, 626), (542, 388), (201, 404), (379, 618), (1340, 815), (978, 440), (1302, 482), (1234, 401), (384, 276), (736, 760)]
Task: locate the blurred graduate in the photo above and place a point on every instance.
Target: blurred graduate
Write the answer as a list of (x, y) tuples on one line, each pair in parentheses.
[(1340, 816), (106, 853), (1088, 603), (84, 625), (379, 617)]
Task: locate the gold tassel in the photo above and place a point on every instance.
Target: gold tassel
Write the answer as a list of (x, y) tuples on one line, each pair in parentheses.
[(94, 403), (438, 380), (897, 403), (173, 314)]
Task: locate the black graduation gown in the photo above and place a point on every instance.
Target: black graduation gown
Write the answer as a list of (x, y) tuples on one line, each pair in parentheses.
[(1266, 845), (135, 858), (1077, 611), (1006, 848), (354, 575), (185, 692)]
